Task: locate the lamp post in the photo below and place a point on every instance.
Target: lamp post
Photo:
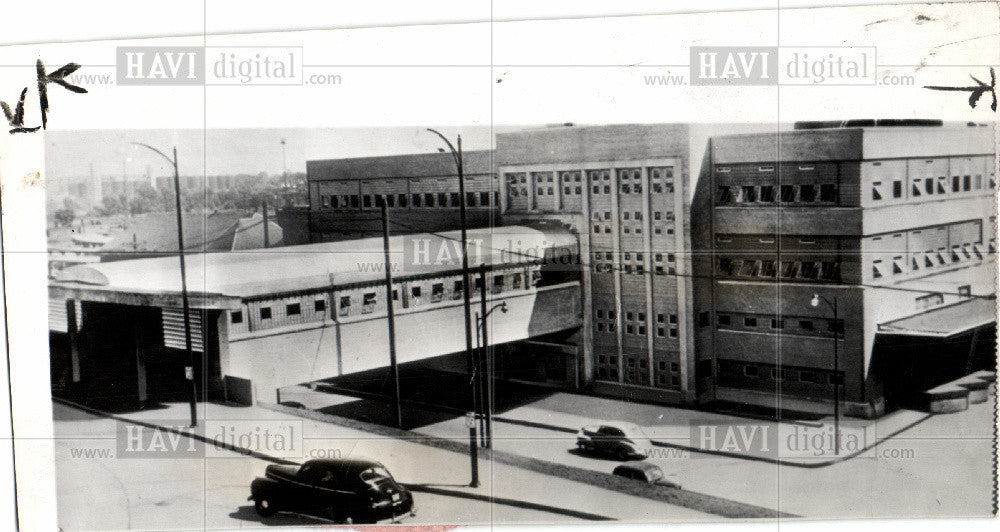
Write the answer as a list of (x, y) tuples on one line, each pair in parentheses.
[(188, 371), (456, 155), (483, 344), (836, 367)]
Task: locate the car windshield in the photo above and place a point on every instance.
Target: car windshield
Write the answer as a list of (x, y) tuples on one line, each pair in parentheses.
[(374, 475)]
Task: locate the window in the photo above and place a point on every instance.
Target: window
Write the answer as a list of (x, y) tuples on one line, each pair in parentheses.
[(828, 193), (442, 199), (748, 194), (437, 292), (767, 194), (455, 199), (877, 269), (293, 309), (319, 305), (416, 200), (367, 201), (877, 191), (787, 193), (484, 199), (966, 183), (456, 290), (497, 284), (898, 266), (345, 305), (470, 199), (749, 321), (955, 184), (236, 316), (265, 313), (368, 303), (929, 186), (777, 324), (807, 193), (806, 325), (965, 291), (724, 320), (897, 189), (915, 189), (725, 195), (415, 291)]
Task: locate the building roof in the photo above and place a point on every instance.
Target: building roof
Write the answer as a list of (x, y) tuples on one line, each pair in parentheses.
[(263, 272), (947, 321), (412, 165)]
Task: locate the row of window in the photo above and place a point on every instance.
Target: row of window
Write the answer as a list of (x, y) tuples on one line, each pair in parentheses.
[(629, 229), (635, 323), (921, 187), (801, 270), (607, 370), (636, 215), (930, 259), (639, 256), (783, 374), (633, 269), (823, 193), (314, 307), (427, 199), (805, 326)]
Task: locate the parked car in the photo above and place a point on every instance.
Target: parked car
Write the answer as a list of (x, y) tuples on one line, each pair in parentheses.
[(619, 439), (345, 491), (644, 472)]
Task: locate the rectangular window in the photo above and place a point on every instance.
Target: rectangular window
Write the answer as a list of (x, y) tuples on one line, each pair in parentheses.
[(415, 291), (368, 303), (807, 193), (966, 183), (777, 324), (293, 309), (724, 320), (401, 200), (484, 199), (319, 305), (265, 313), (725, 195), (749, 321), (897, 189), (748, 194), (416, 200), (806, 325), (787, 193), (767, 194), (236, 316), (367, 201), (456, 290), (455, 199), (828, 193), (442, 199), (437, 292), (877, 191), (345, 305)]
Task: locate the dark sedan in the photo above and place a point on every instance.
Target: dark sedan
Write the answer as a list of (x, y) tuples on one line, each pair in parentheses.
[(344, 491)]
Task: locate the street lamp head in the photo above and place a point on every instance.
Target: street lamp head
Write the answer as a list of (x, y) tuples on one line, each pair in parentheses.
[(815, 300)]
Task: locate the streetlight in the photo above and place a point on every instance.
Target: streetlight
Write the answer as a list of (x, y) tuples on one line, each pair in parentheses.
[(836, 367), (456, 155), (189, 370), (482, 343)]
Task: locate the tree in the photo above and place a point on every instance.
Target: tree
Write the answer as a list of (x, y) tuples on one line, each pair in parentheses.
[(64, 217)]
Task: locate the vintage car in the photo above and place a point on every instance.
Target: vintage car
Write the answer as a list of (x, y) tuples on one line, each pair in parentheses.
[(616, 438), (644, 472), (344, 491)]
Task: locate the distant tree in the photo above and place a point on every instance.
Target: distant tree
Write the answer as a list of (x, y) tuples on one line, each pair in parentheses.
[(64, 217)]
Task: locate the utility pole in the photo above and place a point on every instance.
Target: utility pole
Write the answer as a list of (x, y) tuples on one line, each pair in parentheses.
[(263, 208), (394, 367), (456, 155), (284, 165), (189, 370), (484, 360)]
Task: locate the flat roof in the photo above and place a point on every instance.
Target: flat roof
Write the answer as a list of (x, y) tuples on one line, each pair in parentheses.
[(394, 166), (261, 272), (944, 322)]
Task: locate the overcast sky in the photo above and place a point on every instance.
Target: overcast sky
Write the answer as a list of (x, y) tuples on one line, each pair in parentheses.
[(69, 154)]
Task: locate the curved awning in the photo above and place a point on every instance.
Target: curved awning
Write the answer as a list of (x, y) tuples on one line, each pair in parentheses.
[(945, 322)]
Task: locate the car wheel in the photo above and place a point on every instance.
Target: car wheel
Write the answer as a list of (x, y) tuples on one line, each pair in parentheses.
[(264, 507)]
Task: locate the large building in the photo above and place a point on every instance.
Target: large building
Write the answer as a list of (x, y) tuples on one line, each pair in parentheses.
[(421, 190), (891, 228), (623, 191)]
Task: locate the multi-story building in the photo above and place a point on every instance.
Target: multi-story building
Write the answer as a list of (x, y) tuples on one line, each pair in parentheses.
[(843, 264), (421, 190), (623, 191)]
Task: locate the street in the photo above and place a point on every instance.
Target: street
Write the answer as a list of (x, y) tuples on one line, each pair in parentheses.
[(99, 490)]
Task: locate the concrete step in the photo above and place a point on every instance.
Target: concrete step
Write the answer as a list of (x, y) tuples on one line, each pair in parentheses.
[(945, 399), (978, 388)]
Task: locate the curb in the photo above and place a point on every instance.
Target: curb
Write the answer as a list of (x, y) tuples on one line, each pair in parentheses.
[(679, 497)]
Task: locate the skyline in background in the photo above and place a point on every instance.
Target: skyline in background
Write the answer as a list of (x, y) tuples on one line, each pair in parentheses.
[(70, 154)]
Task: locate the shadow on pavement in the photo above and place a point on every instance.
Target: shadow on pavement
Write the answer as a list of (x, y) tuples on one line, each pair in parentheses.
[(247, 513)]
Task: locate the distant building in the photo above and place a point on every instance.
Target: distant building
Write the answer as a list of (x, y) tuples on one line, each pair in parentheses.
[(421, 190), (894, 225)]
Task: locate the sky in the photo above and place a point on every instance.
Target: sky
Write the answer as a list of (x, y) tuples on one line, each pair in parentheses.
[(70, 154)]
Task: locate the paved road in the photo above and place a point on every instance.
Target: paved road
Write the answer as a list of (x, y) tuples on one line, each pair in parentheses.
[(98, 491)]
